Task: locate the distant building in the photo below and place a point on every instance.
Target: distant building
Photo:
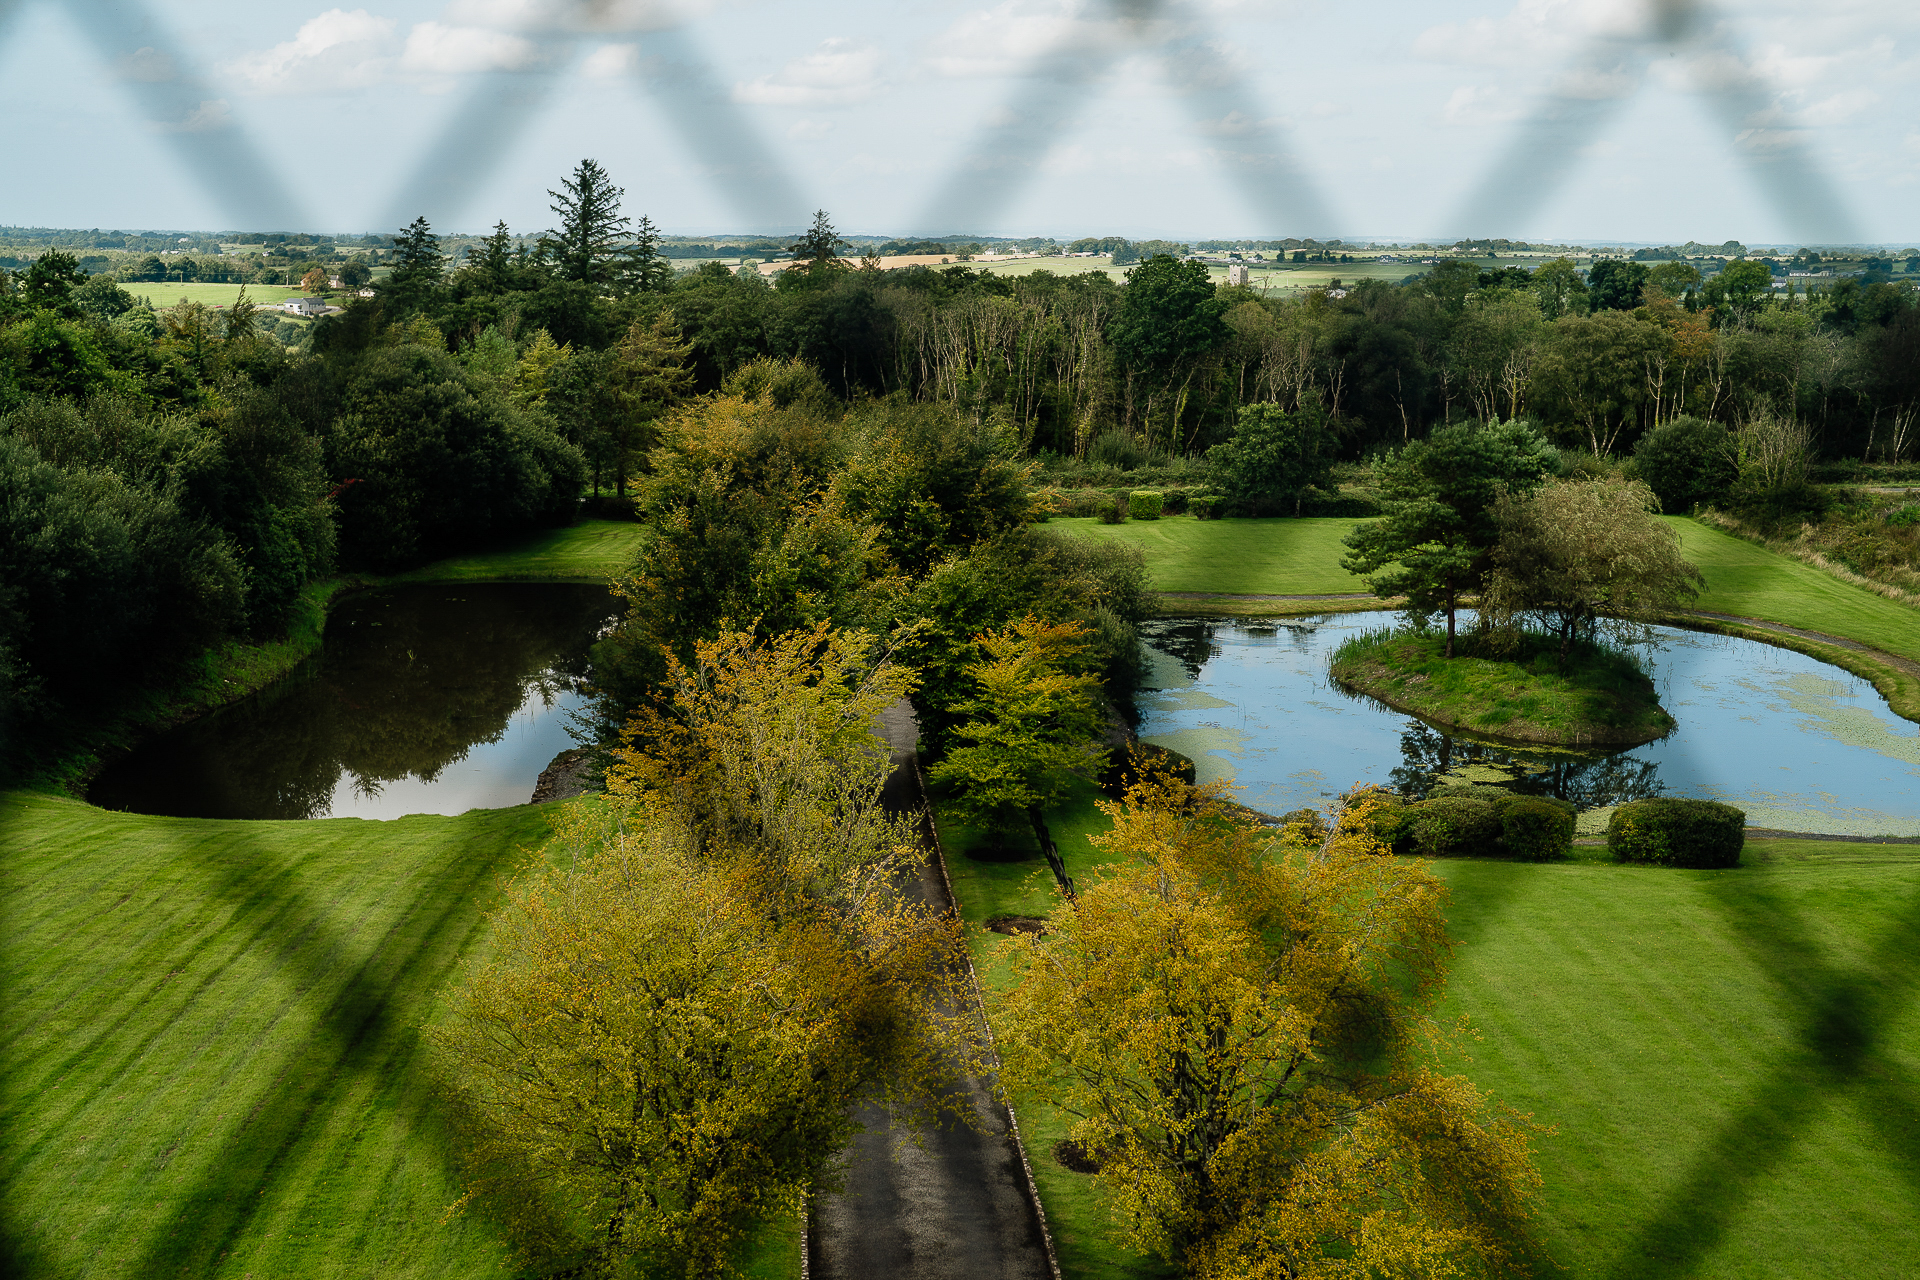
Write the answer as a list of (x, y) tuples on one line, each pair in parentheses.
[(364, 293), (1239, 274), (304, 306)]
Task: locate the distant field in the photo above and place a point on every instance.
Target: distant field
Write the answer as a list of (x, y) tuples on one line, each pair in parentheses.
[(212, 295), (1235, 557)]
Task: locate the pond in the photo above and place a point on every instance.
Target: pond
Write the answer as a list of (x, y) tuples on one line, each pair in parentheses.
[(1799, 744), (424, 699)]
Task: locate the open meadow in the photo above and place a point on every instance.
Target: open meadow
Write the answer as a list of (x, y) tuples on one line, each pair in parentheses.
[(165, 294), (1233, 557)]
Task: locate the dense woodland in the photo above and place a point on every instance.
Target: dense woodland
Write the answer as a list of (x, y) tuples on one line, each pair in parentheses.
[(838, 442)]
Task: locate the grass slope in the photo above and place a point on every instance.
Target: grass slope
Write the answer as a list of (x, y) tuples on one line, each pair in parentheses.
[(166, 294), (1076, 1211), (1234, 557), (590, 551), (211, 1063), (1602, 699), (1728, 1057), (1754, 582)]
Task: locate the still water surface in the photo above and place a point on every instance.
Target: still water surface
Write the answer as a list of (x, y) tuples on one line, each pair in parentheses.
[(1797, 743), (425, 699)]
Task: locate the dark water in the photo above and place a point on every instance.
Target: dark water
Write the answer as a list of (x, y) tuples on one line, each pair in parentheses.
[(428, 699), (1797, 743)]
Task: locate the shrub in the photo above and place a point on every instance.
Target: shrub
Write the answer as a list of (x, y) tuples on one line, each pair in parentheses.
[(1144, 504), (1117, 448), (1109, 511), (1174, 502), (1205, 507), (1537, 830), (1450, 827), (1677, 833), (1687, 462)]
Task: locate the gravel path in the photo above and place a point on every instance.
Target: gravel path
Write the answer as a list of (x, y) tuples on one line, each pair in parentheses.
[(931, 1203)]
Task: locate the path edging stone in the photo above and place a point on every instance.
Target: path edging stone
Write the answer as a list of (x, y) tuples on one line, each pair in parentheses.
[(979, 1002)]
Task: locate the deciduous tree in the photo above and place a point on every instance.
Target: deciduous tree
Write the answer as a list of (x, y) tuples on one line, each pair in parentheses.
[(1584, 557), (1237, 1018), (1436, 541)]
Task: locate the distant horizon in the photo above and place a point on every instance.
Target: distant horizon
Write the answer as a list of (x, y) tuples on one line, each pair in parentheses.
[(1512, 116), (1357, 241)]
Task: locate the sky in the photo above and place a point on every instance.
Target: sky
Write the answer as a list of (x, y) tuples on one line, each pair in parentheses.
[(1655, 121)]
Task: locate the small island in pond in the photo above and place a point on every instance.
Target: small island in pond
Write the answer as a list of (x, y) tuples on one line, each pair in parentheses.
[(1601, 699)]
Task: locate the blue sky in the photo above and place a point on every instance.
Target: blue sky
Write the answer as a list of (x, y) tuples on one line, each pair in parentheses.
[(1765, 122)]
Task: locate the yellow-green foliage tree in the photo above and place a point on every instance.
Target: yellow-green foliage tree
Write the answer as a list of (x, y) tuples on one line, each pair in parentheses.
[(1238, 1017), (1034, 721), (693, 988)]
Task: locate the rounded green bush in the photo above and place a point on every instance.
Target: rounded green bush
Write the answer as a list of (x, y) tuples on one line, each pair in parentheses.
[(1451, 827), (1537, 830), (1144, 504), (1109, 511), (1677, 833), (1204, 507)]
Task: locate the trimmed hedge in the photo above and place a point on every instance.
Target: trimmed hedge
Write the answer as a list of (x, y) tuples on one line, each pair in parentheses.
[(1536, 829), (1206, 507), (1109, 511), (1677, 833), (1468, 821), (1144, 504)]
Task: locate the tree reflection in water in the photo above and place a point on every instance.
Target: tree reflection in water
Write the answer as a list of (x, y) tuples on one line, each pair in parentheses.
[(409, 681), (1589, 780)]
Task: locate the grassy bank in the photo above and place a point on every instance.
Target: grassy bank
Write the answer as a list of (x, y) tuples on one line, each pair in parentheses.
[(1603, 698), (1753, 582), (590, 551), (1234, 557), (1727, 1057)]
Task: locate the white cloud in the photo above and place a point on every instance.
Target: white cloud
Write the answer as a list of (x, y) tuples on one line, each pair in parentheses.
[(1013, 36), (146, 66), (1533, 31), (1841, 107), (1473, 105), (836, 73), (571, 16), (1236, 125), (611, 61), (339, 49), (437, 49), (808, 130)]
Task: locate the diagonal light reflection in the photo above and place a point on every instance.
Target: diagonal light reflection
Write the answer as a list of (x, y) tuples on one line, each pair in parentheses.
[(1003, 158), (672, 68), (157, 72), (1543, 155)]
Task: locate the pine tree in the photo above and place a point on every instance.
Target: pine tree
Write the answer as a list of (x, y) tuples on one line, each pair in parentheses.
[(586, 245), (820, 245), (418, 268), (642, 269)]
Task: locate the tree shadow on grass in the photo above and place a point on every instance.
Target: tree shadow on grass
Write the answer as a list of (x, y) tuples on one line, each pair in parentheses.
[(1838, 1018), (366, 1037)]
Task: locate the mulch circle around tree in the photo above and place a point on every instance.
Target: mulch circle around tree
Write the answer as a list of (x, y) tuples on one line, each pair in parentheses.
[(1074, 1158), (1011, 925)]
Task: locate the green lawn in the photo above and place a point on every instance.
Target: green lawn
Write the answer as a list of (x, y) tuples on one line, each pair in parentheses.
[(1753, 582), (1235, 557), (591, 551), (1728, 1058), (211, 1063), (213, 295), (1302, 557)]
